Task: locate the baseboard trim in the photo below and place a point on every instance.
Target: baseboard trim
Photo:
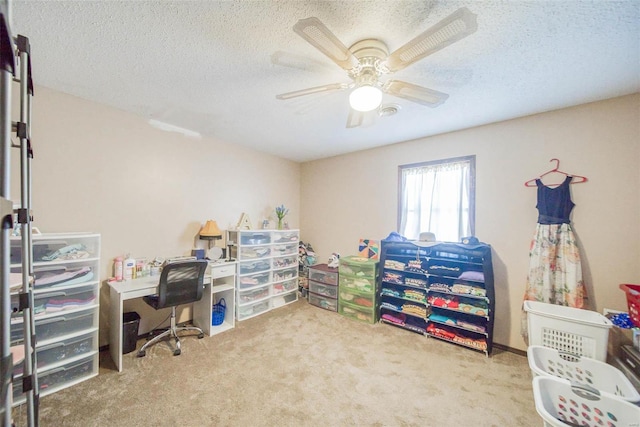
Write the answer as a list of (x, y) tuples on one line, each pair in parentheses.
[(510, 349)]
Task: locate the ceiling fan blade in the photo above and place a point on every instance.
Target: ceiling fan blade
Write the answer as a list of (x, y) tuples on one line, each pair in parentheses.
[(316, 33), (355, 118), (415, 93), (454, 27), (312, 90)]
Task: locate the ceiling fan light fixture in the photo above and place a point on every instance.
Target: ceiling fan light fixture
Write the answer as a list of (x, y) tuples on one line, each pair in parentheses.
[(365, 98)]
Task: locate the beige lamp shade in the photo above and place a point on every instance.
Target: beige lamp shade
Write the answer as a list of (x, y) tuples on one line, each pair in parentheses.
[(210, 231)]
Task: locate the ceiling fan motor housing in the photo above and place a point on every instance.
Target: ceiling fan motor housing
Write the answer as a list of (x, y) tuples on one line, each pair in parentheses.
[(370, 53)]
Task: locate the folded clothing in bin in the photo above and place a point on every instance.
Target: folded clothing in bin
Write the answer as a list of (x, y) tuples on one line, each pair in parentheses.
[(559, 403), (551, 362)]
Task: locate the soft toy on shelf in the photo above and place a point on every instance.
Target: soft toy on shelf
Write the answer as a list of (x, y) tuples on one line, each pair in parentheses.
[(334, 260)]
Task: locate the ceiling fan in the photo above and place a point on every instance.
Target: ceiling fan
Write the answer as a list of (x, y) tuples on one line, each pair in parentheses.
[(366, 61)]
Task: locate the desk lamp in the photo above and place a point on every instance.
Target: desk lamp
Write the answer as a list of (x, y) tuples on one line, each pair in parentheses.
[(211, 233)]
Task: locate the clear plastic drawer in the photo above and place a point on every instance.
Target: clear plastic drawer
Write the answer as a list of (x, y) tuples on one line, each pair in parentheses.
[(324, 276), (289, 273), (51, 327), (362, 284), (254, 252), (323, 302), (253, 280), (255, 238), (284, 262), (66, 349), (53, 301), (252, 295), (251, 267), (285, 236), (68, 274), (357, 313), (250, 310), (56, 248), (324, 290), (285, 249), (358, 266), (280, 300), (57, 378), (284, 287)]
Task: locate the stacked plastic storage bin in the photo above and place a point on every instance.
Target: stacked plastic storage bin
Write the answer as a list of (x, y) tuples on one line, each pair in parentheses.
[(546, 361), (323, 286), (568, 329), (572, 384), (560, 403), (358, 292)]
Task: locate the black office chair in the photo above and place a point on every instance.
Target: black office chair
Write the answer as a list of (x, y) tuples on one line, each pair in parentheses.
[(180, 283)]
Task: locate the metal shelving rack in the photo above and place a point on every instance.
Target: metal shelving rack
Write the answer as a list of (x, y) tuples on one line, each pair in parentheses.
[(14, 51)]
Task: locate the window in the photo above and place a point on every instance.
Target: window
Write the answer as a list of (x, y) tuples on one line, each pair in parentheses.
[(439, 197)]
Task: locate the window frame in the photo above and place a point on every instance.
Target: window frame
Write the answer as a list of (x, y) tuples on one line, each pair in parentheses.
[(472, 186)]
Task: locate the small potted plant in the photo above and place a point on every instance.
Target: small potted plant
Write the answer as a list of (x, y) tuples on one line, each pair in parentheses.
[(281, 212)]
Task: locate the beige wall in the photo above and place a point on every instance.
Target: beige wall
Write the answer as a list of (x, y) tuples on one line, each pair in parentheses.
[(146, 191), (355, 196)]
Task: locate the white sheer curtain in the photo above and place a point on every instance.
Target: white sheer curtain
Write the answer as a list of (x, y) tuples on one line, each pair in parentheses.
[(436, 198)]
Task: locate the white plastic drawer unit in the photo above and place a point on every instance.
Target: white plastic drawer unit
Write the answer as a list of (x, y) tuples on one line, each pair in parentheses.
[(267, 269)]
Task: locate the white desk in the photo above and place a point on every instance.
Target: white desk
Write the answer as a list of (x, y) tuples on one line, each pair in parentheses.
[(138, 288)]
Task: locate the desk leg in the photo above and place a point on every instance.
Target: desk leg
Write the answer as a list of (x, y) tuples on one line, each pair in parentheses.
[(115, 328)]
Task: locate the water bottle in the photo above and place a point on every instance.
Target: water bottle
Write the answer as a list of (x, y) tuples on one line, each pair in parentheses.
[(117, 269)]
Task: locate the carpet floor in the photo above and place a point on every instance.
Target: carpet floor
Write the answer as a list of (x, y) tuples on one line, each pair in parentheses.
[(301, 366)]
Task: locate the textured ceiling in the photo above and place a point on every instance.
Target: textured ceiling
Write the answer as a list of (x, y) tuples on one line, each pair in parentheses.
[(215, 67)]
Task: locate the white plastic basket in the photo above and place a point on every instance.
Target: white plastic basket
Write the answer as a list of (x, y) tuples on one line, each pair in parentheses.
[(568, 329), (551, 362), (560, 403)]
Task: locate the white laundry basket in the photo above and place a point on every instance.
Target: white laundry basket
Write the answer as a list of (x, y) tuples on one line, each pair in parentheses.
[(560, 403), (551, 362), (568, 329)]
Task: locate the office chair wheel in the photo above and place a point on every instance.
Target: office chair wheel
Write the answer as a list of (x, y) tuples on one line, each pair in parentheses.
[(142, 353), (177, 352), (200, 336)]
